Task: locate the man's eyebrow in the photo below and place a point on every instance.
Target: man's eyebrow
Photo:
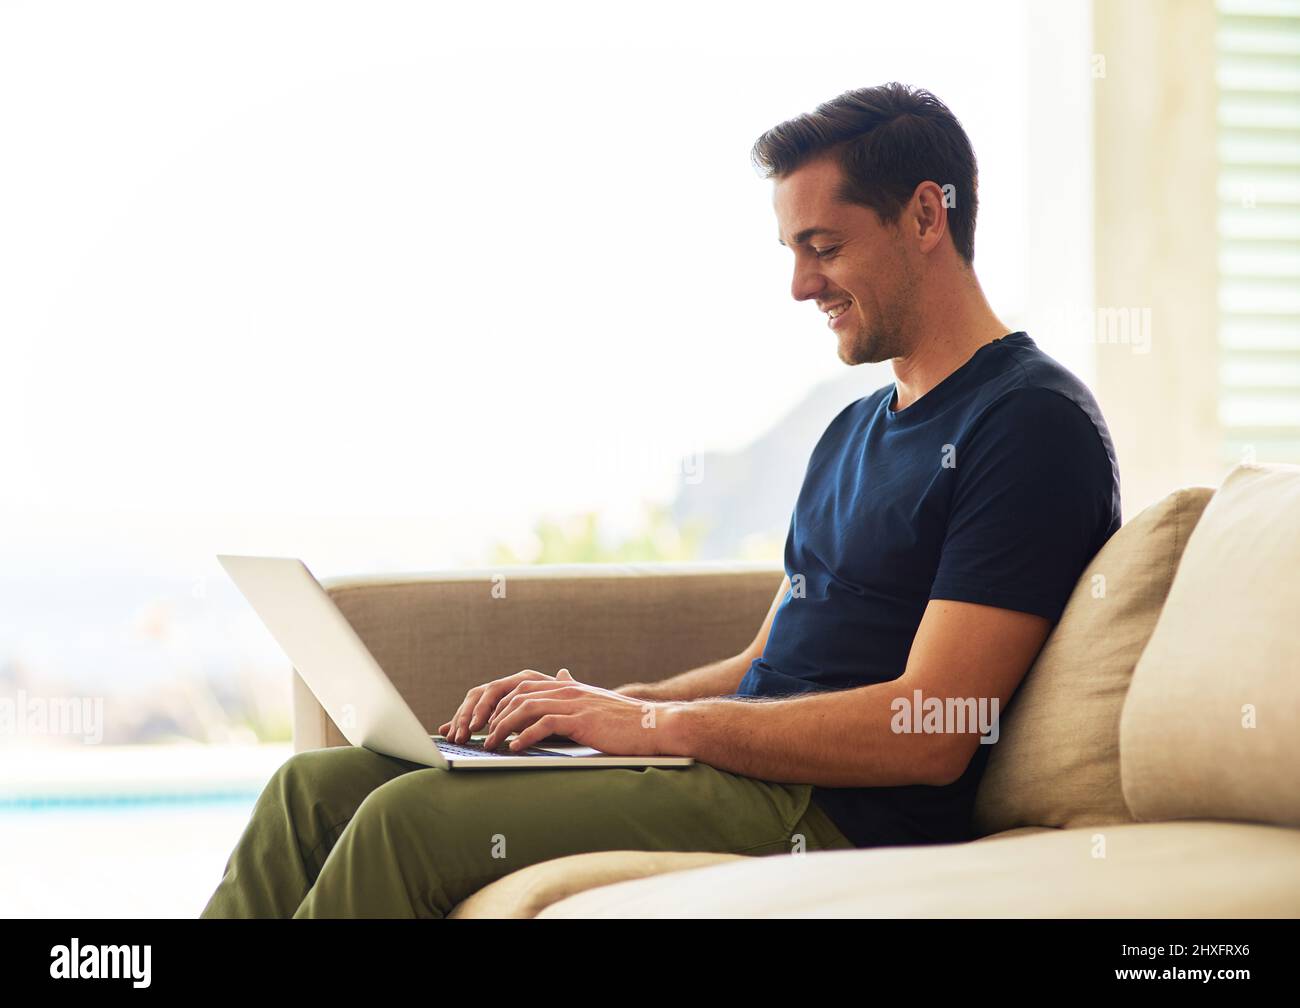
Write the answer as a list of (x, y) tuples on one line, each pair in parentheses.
[(805, 234)]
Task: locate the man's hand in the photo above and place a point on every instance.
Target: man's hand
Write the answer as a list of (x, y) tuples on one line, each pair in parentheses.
[(481, 701), (591, 716)]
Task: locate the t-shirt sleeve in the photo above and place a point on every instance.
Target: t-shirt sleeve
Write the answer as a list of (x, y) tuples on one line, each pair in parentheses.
[(1032, 502)]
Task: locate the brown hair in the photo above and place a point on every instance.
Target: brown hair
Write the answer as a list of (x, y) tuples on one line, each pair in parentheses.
[(887, 139)]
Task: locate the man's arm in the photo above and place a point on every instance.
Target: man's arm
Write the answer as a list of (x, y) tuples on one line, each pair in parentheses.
[(845, 738), (718, 679)]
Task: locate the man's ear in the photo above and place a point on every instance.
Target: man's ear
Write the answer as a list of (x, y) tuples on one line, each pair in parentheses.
[(928, 214)]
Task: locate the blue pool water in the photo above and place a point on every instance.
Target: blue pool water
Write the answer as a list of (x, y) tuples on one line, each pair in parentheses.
[(110, 802)]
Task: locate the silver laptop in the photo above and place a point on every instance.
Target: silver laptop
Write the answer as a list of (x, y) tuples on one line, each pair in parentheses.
[(359, 697)]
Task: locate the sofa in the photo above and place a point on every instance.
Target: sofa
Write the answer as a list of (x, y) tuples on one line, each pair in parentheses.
[(1147, 766)]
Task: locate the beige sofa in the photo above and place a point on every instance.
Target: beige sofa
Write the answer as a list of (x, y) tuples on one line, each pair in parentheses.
[(1149, 765)]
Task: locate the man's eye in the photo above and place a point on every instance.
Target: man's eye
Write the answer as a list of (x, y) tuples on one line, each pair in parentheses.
[(826, 253)]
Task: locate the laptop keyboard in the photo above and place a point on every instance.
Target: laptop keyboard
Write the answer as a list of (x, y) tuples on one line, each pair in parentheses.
[(474, 747)]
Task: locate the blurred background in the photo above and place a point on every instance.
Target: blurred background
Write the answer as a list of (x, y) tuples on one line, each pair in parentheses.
[(390, 287)]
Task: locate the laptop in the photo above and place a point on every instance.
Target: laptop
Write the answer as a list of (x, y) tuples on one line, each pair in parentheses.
[(344, 676)]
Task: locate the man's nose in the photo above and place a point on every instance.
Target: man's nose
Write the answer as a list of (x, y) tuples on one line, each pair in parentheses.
[(807, 283)]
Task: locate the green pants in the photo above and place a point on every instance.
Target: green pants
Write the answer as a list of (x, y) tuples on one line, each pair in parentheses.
[(346, 832)]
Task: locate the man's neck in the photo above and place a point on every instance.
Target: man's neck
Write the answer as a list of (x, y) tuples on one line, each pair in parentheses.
[(944, 343)]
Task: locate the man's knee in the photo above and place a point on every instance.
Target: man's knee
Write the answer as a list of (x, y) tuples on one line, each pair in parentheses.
[(405, 819), (315, 764), (320, 770), (533, 814), (466, 812), (402, 797)]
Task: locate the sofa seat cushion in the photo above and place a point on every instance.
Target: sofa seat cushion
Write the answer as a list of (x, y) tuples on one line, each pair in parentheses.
[(526, 892), (1199, 868), (530, 890)]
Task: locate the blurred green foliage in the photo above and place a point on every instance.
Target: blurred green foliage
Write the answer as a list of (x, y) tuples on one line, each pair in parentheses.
[(579, 539)]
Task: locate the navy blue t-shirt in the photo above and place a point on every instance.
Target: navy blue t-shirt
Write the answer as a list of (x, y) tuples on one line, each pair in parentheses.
[(997, 487)]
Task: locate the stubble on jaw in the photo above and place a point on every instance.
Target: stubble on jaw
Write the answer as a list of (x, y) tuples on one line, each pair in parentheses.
[(885, 336), (880, 340)]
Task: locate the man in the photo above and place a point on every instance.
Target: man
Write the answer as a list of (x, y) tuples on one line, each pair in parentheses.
[(942, 524)]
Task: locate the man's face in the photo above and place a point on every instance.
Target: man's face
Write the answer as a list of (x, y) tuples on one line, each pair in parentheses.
[(852, 259)]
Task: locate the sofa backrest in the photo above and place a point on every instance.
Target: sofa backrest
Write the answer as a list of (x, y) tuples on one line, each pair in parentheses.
[(1057, 762), (1211, 724), (439, 633)]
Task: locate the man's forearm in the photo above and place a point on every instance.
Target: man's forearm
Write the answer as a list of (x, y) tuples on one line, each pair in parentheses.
[(719, 679), (836, 739)]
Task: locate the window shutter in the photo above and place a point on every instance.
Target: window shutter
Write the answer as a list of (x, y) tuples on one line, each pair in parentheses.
[(1258, 46)]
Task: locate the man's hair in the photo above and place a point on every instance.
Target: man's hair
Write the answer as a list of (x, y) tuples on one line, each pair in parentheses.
[(888, 140)]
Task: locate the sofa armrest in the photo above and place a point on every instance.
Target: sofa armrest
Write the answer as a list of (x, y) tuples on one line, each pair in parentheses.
[(437, 634)]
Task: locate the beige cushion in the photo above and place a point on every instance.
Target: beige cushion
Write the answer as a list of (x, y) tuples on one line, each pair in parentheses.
[(1057, 761), (1187, 869), (1227, 644), (530, 890)]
